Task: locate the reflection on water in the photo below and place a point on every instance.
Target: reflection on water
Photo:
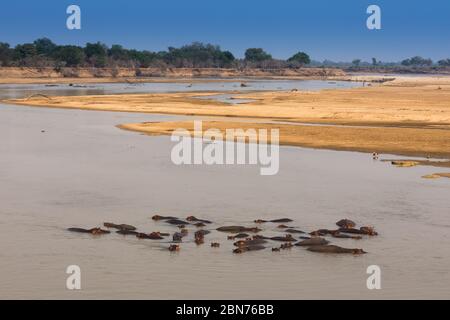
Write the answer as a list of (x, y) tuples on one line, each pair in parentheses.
[(83, 171)]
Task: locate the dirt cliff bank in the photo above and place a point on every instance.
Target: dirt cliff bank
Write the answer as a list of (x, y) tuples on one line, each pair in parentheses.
[(74, 75)]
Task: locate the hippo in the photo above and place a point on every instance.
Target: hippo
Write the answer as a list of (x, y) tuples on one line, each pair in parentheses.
[(126, 227), (334, 249), (260, 221), (283, 226), (323, 232), (363, 230), (151, 236), (194, 219), (286, 245), (249, 248), (177, 237), (312, 242), (199, 237), (126, 232), (239, 236), (258, 236), (246, 243), (286, 238), (242, 235), (200, 225), (370, 231), (94, 231), (238, 229), (345, 236), (202, 232), (177, 222), (174, 247), (283, 220), (80, 230), (293, 231), (98, 231), (163, 234), (158, 217), (215, 245), (345, 223)]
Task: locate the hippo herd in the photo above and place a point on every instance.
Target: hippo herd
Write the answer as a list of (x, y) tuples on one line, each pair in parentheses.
[(246, 238)]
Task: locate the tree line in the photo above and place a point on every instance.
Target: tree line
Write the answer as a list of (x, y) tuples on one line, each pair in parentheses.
[(415, 61), (45, 53)]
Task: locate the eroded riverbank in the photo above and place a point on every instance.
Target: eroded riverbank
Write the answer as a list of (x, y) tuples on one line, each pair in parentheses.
[(27, 75)]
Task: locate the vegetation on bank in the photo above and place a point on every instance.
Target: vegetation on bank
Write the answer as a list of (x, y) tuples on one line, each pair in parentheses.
[(43, 53), (414, 64)]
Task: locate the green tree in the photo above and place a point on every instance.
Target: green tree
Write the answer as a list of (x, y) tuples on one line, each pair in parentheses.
[(5, 54), (198, 55), (24, 51), (417, 62), (143, 58), (117, 52), (301, 58), (146, 58), (95, 49), (444, 62), (256, 55), (96, 54), (44, 46), (226, 58), (73, 56), (356, 62)]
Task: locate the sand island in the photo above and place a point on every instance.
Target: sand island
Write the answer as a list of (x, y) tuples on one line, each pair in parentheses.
[(405, 116)]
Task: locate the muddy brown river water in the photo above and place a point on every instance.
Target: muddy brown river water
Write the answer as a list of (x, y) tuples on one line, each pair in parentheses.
[(83, 171)]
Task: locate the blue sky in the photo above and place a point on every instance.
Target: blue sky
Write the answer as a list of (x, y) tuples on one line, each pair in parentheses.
[(326, 29)]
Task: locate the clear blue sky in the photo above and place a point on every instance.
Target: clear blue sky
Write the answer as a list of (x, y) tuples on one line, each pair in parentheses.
[(326, 29)]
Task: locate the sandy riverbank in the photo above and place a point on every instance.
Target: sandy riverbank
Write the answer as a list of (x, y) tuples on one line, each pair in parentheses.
[(404, 141), (437, 176), (407, 116)]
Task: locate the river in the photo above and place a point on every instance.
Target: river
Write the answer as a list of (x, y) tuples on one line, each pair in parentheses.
[(63, 168)]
